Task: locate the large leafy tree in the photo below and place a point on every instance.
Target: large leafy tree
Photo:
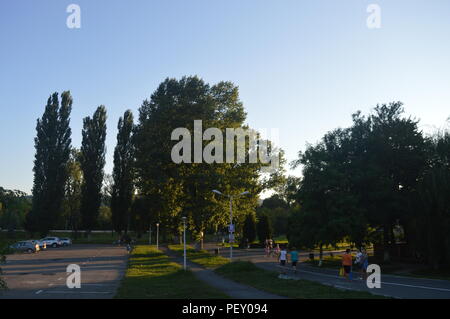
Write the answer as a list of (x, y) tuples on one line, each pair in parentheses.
[(361, 177), (52, 145), (397, 156), (430, 225), (122, 189), (92, 161), (185, 189)]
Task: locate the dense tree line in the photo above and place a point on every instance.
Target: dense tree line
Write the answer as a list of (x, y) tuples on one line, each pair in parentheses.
[(67, 182), (359, 182), (146, 186), (14, 206), (173, 190)]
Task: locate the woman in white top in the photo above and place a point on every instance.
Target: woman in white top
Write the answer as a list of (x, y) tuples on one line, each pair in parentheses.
[(283, 257)]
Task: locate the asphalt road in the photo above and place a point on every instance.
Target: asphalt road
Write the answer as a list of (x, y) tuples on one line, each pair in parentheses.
[(44, 274), (391, 285)]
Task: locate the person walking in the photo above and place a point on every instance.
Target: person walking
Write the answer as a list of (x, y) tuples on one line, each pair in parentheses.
[(277, 251), (283, 257), (364, 263), (358, 264), (347, 263), (294, 258)]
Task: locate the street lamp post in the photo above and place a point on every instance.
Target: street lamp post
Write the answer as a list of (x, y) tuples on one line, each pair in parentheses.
[(231, 227), (184, 242), (157, 236)]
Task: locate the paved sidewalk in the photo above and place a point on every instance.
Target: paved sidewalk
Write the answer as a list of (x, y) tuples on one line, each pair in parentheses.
[(229, 287)]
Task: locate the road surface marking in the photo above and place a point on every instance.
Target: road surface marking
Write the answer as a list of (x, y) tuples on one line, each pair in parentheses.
[(38, 292), (382, 282), (413, 286)]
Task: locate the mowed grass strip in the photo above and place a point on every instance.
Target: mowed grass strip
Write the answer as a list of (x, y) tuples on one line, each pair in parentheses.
[(201, 257), (247, 273), (151, 274)]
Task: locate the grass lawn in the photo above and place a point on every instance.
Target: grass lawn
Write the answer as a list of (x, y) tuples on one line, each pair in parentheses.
[(247, 273), (151, 274), (201, 257), (443, 274)]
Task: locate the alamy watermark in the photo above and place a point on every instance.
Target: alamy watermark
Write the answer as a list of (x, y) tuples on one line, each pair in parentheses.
[(249, 145), (374, 276), (74, 278), (374, 19), (74, 19)]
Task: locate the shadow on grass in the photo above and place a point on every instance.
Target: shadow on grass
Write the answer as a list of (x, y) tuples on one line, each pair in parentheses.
[(151, 274)]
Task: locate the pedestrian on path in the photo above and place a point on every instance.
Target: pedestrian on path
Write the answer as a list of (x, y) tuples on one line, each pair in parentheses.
[(294, 258), (347, 263), (283, 257), (277, 251), (364, 263), (266, 249)]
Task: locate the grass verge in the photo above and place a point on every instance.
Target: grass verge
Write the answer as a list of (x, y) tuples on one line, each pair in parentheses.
[(201, 257), (151, 274), (247, 273)]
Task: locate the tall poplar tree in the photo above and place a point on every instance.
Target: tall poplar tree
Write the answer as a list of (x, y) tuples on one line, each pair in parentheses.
[(92, 162), (122, 190), (52, 145)]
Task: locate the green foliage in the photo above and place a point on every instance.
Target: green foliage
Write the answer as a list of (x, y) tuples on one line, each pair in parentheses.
[(431, 205), (264, 228), (249, 229), (72, 199), (14, 206), (92, 161), (185, 189), (364, 179), (151, 274), (278, 209), (52, 145), (122, 189)]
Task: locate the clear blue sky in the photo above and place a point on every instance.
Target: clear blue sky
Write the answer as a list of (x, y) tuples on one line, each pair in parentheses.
[(302, 66)]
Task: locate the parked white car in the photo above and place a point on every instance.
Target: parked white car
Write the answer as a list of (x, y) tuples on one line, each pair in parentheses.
[(52, 241), (27, 246), (66, 241)]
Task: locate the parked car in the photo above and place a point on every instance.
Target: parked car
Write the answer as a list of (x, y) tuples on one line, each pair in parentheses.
[(66, 241), (27, 246), (52, 241), (42, 244)]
